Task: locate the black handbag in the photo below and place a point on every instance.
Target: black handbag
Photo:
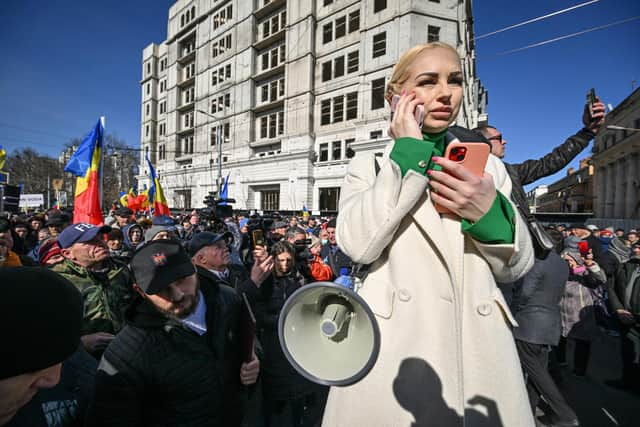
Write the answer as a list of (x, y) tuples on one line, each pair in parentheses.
[(543, 244)]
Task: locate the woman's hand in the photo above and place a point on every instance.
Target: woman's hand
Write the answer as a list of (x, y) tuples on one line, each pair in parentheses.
[(404, 123), (460, 190)]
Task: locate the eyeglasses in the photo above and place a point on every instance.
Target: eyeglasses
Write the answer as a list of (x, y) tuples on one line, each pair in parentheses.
[(497, 137)]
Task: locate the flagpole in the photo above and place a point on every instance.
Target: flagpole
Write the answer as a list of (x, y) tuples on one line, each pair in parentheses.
[(104, 146)]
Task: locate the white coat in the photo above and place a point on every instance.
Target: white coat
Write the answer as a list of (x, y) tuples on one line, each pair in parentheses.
[(447, 354)]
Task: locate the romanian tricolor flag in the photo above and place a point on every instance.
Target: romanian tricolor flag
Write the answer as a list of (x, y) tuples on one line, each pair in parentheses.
[(126, 198), (86, 164), (155, 196)]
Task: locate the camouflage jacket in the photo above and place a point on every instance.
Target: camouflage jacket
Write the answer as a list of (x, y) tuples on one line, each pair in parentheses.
[(106, 294)]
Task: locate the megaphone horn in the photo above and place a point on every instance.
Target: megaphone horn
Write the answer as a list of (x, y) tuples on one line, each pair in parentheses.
[(329, 334)]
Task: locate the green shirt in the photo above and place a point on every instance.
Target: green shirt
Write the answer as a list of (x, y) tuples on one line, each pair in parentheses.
[(496, 225)]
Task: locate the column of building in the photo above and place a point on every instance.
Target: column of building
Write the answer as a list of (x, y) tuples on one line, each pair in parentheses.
[(609, 189)]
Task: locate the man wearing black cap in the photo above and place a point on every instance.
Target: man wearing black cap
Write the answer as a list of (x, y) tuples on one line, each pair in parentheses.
[(210, 253), (331, 254), (40, 322), (106, 285), (123, 217), (177, 362)]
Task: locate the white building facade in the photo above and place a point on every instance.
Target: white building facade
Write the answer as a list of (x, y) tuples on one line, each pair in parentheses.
[(277, 92)]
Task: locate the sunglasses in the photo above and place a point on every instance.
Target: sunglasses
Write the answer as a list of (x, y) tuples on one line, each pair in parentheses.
[(496, 138)]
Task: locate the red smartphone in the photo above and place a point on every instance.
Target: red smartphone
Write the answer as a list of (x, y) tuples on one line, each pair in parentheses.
[(471, 155), (418, 114)]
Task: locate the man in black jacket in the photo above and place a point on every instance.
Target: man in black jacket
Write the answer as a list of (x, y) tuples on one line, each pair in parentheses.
[(177, 362), (624, 299), (536, 307), (532, 170)]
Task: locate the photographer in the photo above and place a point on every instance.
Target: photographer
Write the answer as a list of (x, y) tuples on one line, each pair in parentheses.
[(298, 238)]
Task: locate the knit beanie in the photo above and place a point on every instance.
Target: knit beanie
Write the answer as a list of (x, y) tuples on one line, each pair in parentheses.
[(40, 320), (48, 249), (573, 254)]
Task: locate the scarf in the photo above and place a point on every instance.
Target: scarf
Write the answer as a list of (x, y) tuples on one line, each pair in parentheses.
[(619, 250)]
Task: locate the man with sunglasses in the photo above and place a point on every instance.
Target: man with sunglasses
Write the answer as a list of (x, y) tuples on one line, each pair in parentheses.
[(532, 170)]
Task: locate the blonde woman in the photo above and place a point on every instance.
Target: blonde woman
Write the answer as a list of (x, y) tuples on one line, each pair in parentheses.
[(447, 355)]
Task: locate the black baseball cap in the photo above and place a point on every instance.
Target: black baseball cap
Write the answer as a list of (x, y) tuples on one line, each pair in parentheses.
[(159, 263), (206, 238)]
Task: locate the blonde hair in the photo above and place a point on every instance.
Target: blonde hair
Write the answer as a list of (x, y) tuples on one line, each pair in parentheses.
[(401, 70)]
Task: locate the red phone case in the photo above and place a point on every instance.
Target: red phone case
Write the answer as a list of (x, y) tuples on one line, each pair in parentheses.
[(475, 159)]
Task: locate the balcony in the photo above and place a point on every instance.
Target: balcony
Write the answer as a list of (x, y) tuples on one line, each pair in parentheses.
[(266, 7)]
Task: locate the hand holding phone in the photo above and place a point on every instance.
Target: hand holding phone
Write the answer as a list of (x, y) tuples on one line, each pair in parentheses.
[(463, 174), (257, 236), (591, 100), (400, 125)]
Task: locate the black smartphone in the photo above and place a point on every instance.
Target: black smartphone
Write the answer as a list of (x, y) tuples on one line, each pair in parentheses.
[(591, 99), (258, 238)]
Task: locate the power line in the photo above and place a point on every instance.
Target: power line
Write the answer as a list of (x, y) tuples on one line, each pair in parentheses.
[(568, 36), (539, 18), (35, 131)]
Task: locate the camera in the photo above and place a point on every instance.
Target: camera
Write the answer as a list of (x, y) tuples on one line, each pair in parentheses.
[(215, 212)]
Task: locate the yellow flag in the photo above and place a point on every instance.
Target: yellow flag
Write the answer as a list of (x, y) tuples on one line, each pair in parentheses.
[(3, 156)]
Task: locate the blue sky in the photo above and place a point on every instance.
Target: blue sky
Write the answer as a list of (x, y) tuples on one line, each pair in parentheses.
[(66, 63)]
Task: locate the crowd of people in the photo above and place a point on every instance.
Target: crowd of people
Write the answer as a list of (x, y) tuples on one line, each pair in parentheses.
[(141, 277), (172, 320)]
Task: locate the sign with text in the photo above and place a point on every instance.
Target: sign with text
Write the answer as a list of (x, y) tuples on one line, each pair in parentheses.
[(31, 200)]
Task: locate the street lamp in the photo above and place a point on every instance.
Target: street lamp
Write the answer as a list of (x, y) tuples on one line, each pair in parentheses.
[(219, 144)]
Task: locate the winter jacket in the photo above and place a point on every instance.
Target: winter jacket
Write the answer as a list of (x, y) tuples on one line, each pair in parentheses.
[(531, 170), (280, 380), (576, 307), (158, 372), (65, 404), (536, 301), (621, 296), (319, 270), (106, 294)]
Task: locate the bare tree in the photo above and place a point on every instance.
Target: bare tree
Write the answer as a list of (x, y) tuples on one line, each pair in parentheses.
[(32, 170)]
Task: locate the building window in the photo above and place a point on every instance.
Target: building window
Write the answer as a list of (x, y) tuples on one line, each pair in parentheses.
[(148, 88), (163, 107), (325, 112), (377, 94), (352, 61), (341, 27), (338, 109), (379, 44), (148, 68), (329, 198), (433, 33), (324, 152), (326, 71), (379, 5), (376, 134), (354, 21), (352, 105), (326, 2), (272, 125), (327, 33), (338, 67), (220, 46), (224, 130), (146, 130), (333, 110), (336, 150), (270, 200), (162, 128)]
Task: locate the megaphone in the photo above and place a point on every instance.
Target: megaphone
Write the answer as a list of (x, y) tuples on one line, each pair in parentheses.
[(329, 334)]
